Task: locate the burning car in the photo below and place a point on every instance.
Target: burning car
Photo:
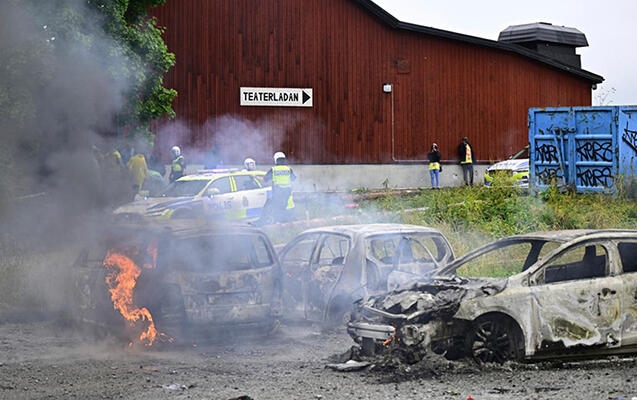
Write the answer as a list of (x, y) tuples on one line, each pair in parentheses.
[(561, 294), (326, 269), (162, 277), (220, 194)]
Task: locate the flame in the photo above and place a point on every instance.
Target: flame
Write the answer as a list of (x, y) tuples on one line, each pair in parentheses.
[(394, 337), (121, 280)]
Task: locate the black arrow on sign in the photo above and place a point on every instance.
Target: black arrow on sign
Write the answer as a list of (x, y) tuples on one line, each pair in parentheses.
[(306, 97)]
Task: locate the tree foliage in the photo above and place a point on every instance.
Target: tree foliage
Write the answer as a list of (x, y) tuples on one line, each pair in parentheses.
[(75, 72)]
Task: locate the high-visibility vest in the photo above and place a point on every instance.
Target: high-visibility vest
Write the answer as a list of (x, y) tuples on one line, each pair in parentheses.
[(468, 158), (282, 176), (176, 164)]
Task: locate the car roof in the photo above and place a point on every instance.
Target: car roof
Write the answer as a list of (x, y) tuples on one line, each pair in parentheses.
[(217, 173), (186, 227), (560, 236), (371, 229)]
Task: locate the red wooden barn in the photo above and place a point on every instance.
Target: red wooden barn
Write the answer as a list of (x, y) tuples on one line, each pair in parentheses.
[(344, 82)]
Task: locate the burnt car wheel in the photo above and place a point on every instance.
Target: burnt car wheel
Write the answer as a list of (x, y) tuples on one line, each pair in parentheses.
[(339, 312), (495, 340)]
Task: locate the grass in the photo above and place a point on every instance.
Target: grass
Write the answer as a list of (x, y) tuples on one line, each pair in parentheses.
[(471, 216)]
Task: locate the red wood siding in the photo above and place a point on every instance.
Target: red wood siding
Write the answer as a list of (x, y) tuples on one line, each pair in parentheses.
[(443, 89)]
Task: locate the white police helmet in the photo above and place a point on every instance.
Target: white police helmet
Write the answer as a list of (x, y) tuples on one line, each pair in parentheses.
[(278, 154), (249, 163), (176, 151)]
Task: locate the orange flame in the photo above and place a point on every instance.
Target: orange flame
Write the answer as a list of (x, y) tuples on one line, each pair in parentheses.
[(121, 280)]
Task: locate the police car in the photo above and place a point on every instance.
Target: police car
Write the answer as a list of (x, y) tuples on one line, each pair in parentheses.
[(218, 193), (515, 170)]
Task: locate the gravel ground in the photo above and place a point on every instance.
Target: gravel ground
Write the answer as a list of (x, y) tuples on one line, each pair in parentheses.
[(42, 359)]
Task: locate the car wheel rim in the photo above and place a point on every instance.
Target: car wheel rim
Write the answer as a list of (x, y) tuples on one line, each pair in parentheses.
[(492, 343)]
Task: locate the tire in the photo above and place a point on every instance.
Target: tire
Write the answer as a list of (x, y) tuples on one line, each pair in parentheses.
[(339, 312), (170, 313), (495, 340)]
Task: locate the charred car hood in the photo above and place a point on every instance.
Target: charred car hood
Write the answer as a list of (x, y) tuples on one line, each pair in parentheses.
[(438, 298)]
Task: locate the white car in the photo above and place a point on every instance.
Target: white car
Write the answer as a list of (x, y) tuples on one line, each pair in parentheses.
[(326, 269), (557, 294), (516, 168), (219, 193)]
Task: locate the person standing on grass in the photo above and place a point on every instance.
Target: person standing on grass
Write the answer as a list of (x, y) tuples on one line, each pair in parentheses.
[(434, 166), (466, 156)]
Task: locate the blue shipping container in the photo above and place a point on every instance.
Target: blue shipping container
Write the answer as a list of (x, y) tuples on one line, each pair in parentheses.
[(588, 149)]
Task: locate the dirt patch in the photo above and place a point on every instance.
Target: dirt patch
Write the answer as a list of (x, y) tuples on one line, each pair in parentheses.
[(47, 359)]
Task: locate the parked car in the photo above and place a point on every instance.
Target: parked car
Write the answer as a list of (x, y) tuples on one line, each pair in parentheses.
[(326, 269), (515, 170), (180, 274), (221, 194), (547, 295)]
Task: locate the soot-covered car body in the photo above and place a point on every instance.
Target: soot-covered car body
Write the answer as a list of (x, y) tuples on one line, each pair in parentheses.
[(186, 274), (326, 269), (218, 194), (561, 294)]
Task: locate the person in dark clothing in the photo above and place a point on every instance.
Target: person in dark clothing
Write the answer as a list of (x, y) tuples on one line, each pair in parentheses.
[(466, 156), (434, 157)]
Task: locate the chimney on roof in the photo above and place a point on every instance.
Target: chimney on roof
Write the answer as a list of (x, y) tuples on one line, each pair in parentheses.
[(556, 42)]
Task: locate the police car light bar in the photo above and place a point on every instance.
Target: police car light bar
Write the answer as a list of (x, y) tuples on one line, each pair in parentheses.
[(217, 171)]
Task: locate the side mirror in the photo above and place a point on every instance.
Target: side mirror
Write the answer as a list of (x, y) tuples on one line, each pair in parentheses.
[(213, 191)]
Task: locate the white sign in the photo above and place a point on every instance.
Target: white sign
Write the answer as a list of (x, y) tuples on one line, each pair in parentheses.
[(282, 97)]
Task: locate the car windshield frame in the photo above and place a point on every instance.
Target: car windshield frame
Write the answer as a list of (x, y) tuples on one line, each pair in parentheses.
[(535, 255), (521, 154), (437, 255)]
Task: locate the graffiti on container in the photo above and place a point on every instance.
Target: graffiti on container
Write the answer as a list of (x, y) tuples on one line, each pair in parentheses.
[(630, 137), (595, 151), (549, 175), (595, 177), (546, 153)]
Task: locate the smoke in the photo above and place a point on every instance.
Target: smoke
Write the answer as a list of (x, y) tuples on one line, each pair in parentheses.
[(61, 98), (233, 138), (62, 84)]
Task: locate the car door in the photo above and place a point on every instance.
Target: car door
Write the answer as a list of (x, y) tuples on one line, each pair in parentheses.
[(296, 259), (219, 199), (311, 265), (250, 196), (627, 249), (576, 301)]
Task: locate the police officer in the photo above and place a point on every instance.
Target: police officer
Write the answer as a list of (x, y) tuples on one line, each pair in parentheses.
[(250, 164), (177, 166), (281, 176), (466, 156)]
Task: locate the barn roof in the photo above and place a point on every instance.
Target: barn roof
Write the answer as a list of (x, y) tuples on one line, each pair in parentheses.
[(394, 23)]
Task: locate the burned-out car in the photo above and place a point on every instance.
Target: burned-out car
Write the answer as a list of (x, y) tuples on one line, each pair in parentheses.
[(326, 269), (160, 278), (561, 294)]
